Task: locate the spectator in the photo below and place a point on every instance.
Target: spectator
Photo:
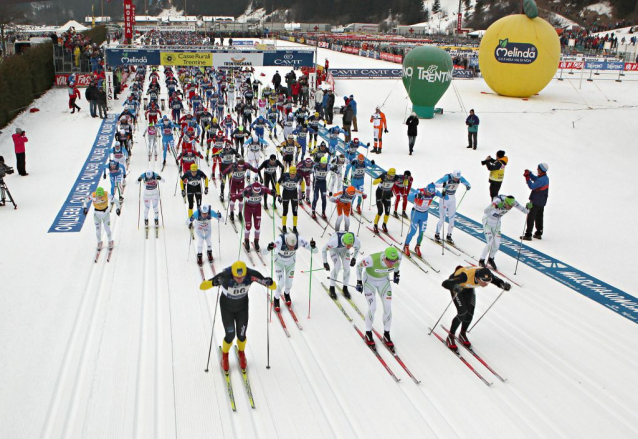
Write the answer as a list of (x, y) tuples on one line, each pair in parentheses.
[(91, 95), (19, 140), (497, 172), (348, 116), (276, 80), (101, 102), (412, 123), (330, 105), (472, 123), (539, 184), (319, 101), (295, 89), (74, 94), (353, 104)]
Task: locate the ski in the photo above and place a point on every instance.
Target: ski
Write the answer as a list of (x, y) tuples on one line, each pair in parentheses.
[(378, 235), (259, 255), (97, 254), (391, 237), (212, 267), (354, 213), (108, 255), (244, 375), (229, 384), (156, 232), (459, 249), (201, 272), (336, 302), (374, 351), (294, 317), (447, 247), (426, 263), (478, 357), (281, 319), (354, 305), (146, 228), (409, 258), (232, 223), (463, 360), (396, 357), (499, 273)]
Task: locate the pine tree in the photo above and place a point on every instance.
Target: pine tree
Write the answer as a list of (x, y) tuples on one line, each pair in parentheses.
[(436, 7)]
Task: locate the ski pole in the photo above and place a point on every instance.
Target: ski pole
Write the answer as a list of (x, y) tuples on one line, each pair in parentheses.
[(139, 205), (160, 203), (459, 205), (272, 256), (189, 245), (212, 331), (310, 281), (442, 212), (342, 283), (518, 258), (448, 305), (310, 271), (268, 333), (328, 222), (490, 307), (219, 237)]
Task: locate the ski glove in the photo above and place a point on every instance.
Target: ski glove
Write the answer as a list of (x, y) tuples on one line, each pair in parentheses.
[(529, 205), (279, 198), (326, 266), (190, 225), (268, 281), (184, 193), (206, 191), (396, 277), (507, 286), (526, 173), (139, 179), (385, 131), (271, 246), (313, 244), (353, 262), (85, 210), (359, 286), (118, 211)]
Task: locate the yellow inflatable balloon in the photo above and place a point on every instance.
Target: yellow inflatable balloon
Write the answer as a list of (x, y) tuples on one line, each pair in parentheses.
[(518, 55)]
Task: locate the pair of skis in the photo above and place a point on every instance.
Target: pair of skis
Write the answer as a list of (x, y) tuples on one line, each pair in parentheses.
[(280, 317), (229, 384), (156, 230), (99, 251)]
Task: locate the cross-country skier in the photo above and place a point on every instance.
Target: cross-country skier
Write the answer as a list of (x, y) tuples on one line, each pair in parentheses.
[(492, 225), (339, 246), (269, 177), (287, 194), (237, 172), (151, 194), (117, 174), (200, 221), (449, 184), (344, 200), (252, 210), (379, 126), (286, 246), (372, 277), (422, 198), (401, 189), (151, 145), (383, 197), (191, 185), (461, 284), (101, 213)]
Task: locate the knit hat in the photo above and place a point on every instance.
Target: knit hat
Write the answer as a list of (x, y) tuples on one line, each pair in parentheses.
[(18, 130), (500, 154), (544, 167)]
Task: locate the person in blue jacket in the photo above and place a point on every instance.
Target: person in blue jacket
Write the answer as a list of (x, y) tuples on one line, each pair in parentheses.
[(539, 184), (472, 123), (353, 104)]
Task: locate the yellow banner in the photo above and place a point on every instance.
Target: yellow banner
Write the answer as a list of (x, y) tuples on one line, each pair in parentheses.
[(187, 59)]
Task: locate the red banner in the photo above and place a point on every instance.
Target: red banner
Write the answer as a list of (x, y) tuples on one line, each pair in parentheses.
[(458, 23), (80, 80), (571, 65), (128, 19), (631, 66)]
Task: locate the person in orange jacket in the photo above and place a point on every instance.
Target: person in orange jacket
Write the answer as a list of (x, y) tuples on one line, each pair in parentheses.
[(379, 126), (74, 94)]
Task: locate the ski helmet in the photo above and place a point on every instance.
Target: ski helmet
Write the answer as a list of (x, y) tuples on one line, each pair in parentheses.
[(292, 169), (348, 238), (431, 188), (240, 161), (273, 157), (99, 191), (483, 274), (238, 269), (291, 137), (256, 187), (205, 209), (407, 174), (291, 239), (149, 174), (456, 174), (392, 172), (194, 167), (361, 157), (350, 190), (391, 254), (241, 128), (510, 201)]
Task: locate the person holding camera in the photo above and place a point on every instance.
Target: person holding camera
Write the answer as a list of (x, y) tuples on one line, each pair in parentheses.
[(4, 191), (497, 171), (19, 141)]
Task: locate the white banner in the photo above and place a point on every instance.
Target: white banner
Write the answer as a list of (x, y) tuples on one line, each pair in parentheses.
[(110, 90), (238, 59)]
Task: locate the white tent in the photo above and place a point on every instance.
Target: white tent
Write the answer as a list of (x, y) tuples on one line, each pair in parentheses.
[(78, 27)]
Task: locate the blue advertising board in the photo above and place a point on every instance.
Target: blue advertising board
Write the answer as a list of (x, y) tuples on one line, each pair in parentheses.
[(289, 58)]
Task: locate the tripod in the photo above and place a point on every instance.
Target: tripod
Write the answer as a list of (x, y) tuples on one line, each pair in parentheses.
[(4, 189)]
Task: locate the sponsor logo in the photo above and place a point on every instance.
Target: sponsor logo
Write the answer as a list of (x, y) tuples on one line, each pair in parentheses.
[(431, 74), (133, 60), (515, 53)]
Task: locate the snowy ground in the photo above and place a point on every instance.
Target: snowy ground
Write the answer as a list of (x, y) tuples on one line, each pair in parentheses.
[(119, 349)]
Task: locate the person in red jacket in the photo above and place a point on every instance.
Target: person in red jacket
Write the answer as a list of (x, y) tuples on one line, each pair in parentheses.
[(295, 88), (74, 94), (19, 139)]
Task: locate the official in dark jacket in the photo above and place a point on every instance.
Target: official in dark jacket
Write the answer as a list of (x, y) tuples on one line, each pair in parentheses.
[(330, 105), (497, 171), (91, 95), (348, 116), (412, 123), (539, 184)]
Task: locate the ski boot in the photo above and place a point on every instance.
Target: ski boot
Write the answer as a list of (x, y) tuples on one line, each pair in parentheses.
[(112, 242), (146, 223), (266, 207), (359, 209), (333, 293), (284, 229), (294, 230), (451, 343), (404, 215), (314, 215), (370, 340), (225, 362), (376, 229), (384, 227), (437, 237), (164, 163), (199, 259), (247, 244), (387, 340), (346, 293), (241, 217), (276, 305), (396, 214), (256, 243), (464, 340), (406, 250), (449, 239), (417, 250), (221, 197), (287, 299), (99, 245), (209, 253), (324, 216), (482, 263), (243, 363), (491, 263), (374, 150), (156, 223), (232, 216), (526, 237), (329, 193)]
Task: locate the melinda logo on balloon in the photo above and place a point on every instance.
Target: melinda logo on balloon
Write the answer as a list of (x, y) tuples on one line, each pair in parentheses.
[(515, 53), (430, 74)]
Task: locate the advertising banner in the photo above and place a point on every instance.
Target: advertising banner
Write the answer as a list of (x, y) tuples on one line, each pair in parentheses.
[(243, 43), (199, 59), (243, 59), (631, 66), (571, 65), (118, 57), (110, 89), (81, 80), (128, 19), (288, 58), (462, 74), (366, 73), (604, 65)]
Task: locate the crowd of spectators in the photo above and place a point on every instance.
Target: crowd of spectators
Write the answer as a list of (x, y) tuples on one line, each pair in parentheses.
[(78, 51)]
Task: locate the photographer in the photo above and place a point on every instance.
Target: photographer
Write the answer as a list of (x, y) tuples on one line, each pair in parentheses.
[(4, 170), (19, 140), (497, 171)]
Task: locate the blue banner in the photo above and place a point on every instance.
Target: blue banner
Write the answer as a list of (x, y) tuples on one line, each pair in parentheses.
[(462, 74), (604, 65), (138, 57), (366, 73), (289, 58), (243, 43), (595, 289), (70, 219)]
